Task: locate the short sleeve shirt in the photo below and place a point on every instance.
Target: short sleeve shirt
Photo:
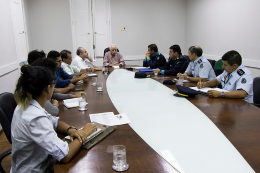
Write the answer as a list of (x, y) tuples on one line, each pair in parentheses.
[(241, 78), (201, 68)]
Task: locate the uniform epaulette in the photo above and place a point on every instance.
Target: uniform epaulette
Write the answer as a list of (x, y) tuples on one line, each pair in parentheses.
[(199, 61), (240, 72)]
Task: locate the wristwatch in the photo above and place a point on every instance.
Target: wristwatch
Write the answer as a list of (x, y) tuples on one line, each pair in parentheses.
[(188, 78), (71, 127), (222, 94)]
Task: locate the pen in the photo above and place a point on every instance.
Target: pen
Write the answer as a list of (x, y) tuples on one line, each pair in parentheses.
[(200, 82)]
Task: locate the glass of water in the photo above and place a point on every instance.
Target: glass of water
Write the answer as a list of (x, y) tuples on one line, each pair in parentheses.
[(155, 73), (106, 70), (99, 86), (119, 158), (180, 80), (94, 81), (82, 104)]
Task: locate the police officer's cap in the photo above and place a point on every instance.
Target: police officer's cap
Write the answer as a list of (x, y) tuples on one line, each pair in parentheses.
[(141, 74), (169, 82), (185, 92)]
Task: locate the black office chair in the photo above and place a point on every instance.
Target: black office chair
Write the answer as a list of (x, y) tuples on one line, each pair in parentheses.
[(106, 50), (187, 58), (184, 67), (7, 107), (256, 90), (212, 62)]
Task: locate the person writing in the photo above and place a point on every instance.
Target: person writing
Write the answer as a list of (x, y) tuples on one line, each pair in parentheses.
[(33, 130), (236, 79)]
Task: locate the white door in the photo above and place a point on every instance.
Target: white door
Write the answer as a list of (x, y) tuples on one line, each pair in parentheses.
[(81, 25), (19, 30), (101, 25), (90, 25)]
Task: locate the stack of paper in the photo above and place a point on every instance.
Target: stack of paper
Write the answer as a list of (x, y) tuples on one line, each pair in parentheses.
[(109, 118), (71, 103), (205, 90)]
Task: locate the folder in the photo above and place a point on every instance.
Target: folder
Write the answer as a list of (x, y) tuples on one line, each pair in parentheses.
[(101, 132), (146, 70)]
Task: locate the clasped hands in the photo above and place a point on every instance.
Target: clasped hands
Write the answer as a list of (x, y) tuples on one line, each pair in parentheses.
[(147, 56), (114, 64), (82, 135), (185, 75)]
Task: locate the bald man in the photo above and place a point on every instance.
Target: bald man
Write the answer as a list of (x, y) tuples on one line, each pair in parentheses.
[(113, 58), (199, 68)]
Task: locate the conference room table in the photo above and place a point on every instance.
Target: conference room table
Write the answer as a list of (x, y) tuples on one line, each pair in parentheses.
[(238, 120)]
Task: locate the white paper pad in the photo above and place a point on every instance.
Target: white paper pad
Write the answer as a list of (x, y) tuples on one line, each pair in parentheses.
[(93, 74), (205, 90), (116, 67), (108, 118), (139, 67), (71, 103)]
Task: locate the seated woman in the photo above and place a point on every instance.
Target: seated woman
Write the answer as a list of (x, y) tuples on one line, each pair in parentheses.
[(33, 130)]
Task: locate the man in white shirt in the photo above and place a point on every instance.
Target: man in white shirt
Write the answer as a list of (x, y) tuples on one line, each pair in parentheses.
[(83, 60), (67, 66)]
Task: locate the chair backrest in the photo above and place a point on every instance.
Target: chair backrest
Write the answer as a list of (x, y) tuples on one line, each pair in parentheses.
[(256, 90), (218, 65), (187, 58), (106, 50), (212, 62), (184, 67), (7, 107)]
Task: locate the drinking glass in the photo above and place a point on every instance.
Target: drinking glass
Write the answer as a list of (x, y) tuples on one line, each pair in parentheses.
[(155, 73), (82, 103), (119, 158), (180, 80), (106, 71), (99, 86), (94, 81)]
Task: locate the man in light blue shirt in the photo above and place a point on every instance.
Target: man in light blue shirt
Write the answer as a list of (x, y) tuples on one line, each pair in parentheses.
[(236, 79), (199, 67)]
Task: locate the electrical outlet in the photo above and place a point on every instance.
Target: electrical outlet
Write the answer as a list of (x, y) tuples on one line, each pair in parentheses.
[(122, 28)]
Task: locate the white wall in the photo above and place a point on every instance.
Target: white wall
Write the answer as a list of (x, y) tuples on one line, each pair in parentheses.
[(49, 24), (160, 22), (223, 25)]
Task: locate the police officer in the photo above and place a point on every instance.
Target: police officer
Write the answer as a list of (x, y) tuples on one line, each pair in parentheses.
[(236, 78), (175, 64), (199, 67), (153, 58)]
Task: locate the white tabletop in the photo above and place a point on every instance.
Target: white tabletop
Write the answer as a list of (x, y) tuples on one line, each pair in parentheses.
[(173, 124)]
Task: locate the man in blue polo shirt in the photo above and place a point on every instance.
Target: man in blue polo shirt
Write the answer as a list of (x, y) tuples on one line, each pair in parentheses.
[(62, 78), (153, 58), (176, 63)]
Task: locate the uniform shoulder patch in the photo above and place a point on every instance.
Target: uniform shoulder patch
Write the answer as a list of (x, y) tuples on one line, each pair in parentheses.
[(199, 61), (240, 72), (158, 58), (243, 81), (201, 66)]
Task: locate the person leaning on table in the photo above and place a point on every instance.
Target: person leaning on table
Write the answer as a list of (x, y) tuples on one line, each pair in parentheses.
[(236, 79), (199, 67), (33, 129)]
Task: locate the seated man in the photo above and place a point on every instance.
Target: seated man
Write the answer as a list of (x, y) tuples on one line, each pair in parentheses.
[(113, 58), (67, 66), (199, 67), (175, 64), (83, 60), (35, 55), (236, 78), (62, 78), (153, 58)]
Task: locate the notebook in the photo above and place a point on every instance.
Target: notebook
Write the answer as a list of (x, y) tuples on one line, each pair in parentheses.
[(204, 91), (72, 103), (98, 135)]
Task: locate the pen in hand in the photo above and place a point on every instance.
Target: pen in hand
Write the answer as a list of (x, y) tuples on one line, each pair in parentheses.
[(200, 83)]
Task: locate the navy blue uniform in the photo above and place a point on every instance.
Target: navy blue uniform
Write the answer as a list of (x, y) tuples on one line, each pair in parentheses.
[(156, 61), (173, 67)]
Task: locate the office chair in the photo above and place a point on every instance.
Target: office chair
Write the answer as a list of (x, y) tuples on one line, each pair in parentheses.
[(106, 50), (218, 67), (187, 58), (212, 62), (184, 67), (7, 107), (256, 86)]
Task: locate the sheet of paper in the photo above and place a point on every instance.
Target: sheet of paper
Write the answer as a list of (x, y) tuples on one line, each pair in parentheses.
[(116, 67), (207, 89), (92, 74), (184, 81), (139, 67), (108, 118)]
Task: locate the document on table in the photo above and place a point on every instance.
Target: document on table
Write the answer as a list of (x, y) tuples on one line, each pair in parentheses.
[(92, 74), (140, 67), (109, 118), (116, 67), (205, 90), (184, 81)]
